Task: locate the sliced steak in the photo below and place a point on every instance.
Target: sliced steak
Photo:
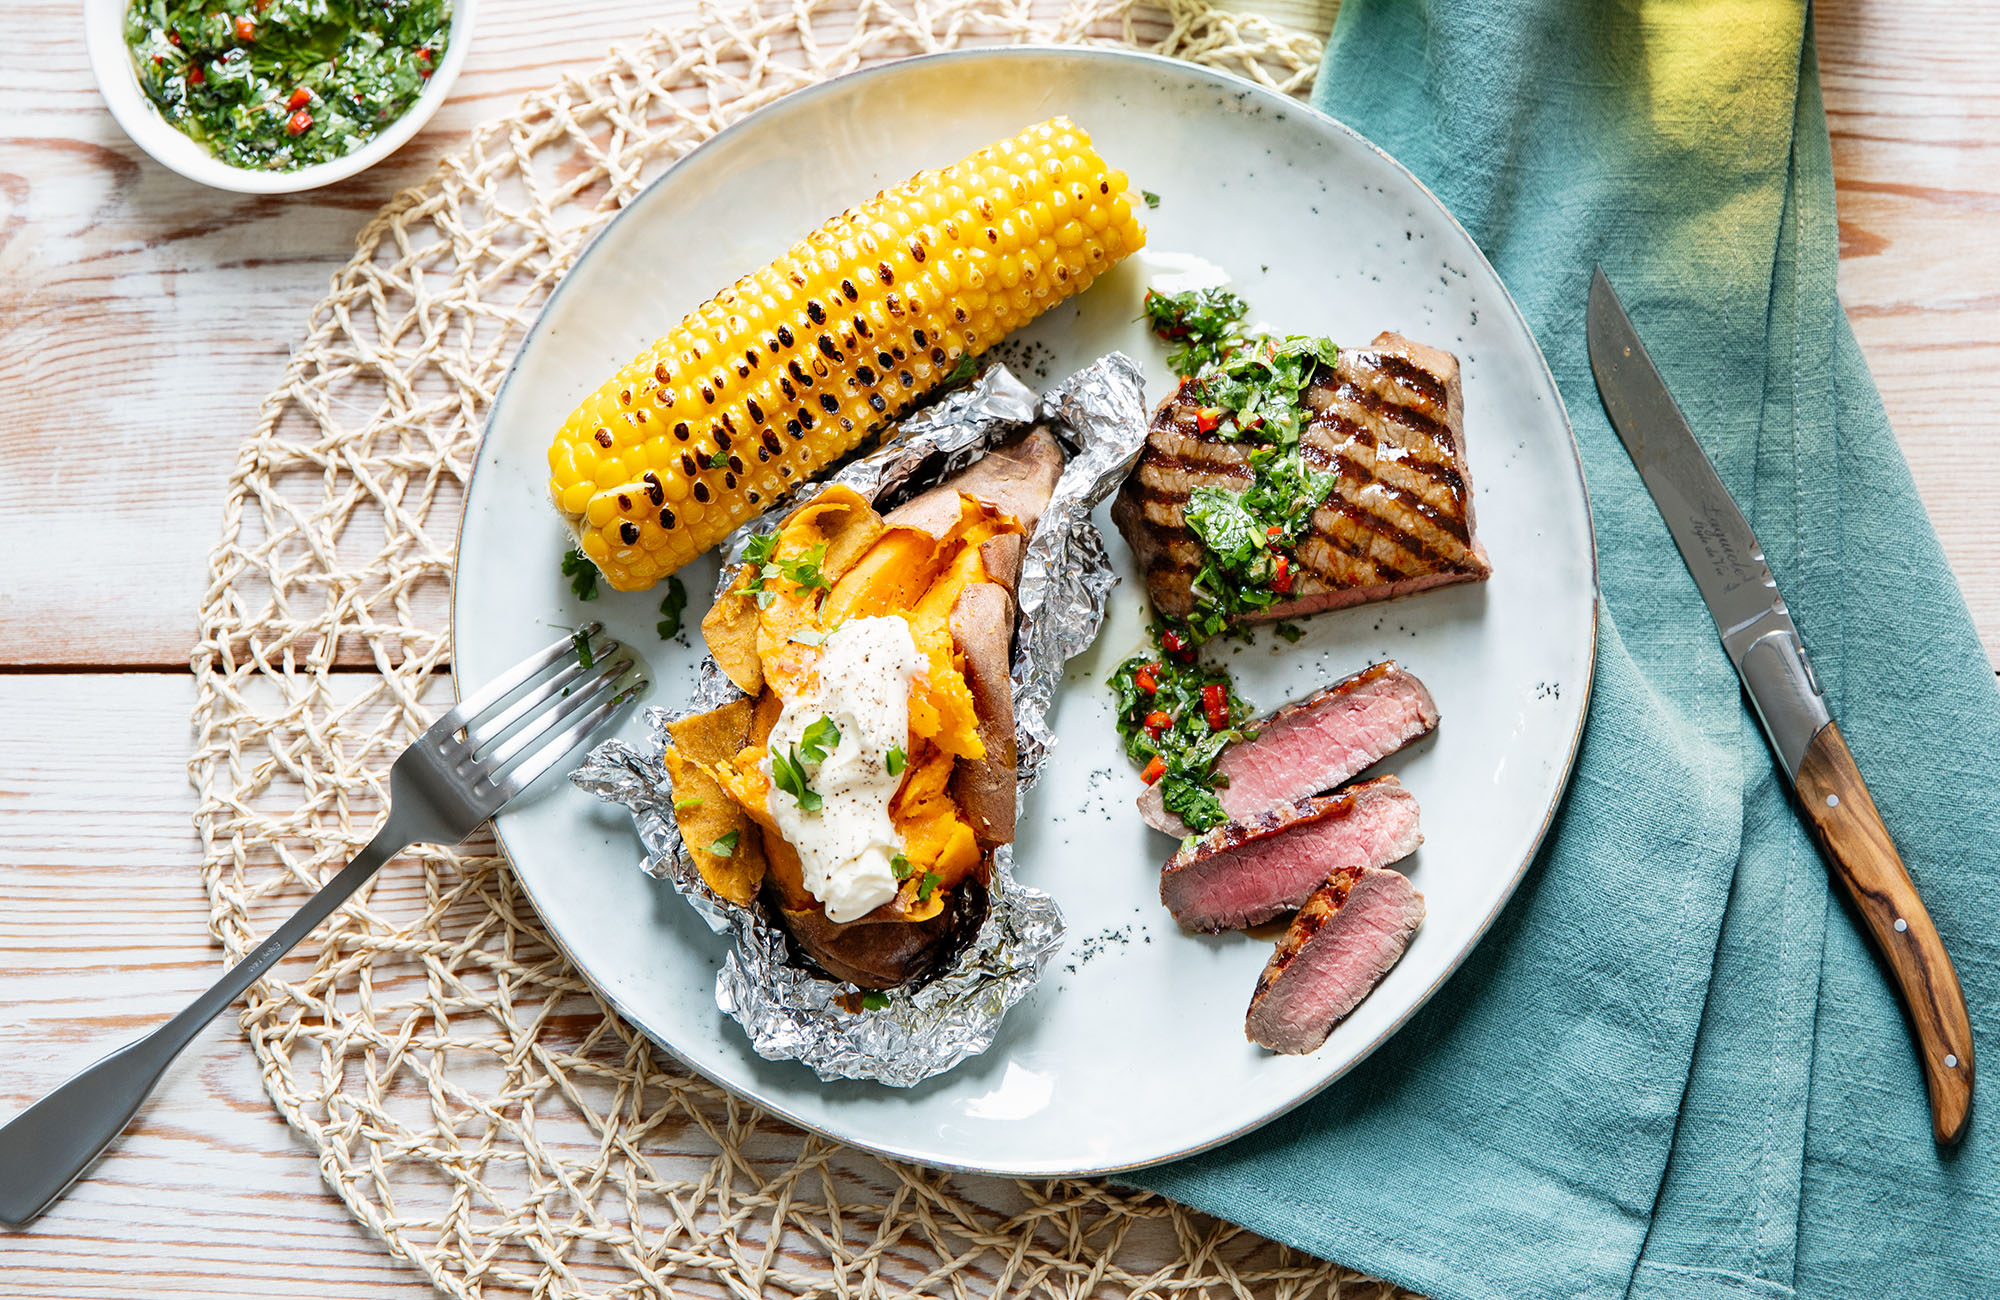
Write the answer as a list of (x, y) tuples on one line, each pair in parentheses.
[(1389, 419), (1343, 941), (1314, 744), (1243, 873)]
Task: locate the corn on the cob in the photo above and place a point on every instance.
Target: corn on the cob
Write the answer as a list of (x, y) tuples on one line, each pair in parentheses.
[(792, 366)]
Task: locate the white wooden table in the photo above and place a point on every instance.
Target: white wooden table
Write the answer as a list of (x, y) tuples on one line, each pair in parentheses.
[(144, 318)]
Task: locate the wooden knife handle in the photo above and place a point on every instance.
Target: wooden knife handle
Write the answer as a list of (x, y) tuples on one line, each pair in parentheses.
[(1864, 861)]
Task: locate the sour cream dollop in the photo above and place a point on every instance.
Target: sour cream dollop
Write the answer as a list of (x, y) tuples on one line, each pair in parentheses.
[(865, 670)]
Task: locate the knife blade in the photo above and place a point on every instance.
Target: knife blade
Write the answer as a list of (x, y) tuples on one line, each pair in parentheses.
[(1729, 570)]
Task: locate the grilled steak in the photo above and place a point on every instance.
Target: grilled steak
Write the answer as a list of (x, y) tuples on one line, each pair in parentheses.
[(1315, 744), (1343, 941), (1389, 419), (1246, 872)]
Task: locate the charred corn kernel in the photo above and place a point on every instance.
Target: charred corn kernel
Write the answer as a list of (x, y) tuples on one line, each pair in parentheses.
[(792, 366)]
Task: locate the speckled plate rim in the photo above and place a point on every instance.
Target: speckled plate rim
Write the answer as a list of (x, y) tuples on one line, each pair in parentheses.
[(1235, 85)]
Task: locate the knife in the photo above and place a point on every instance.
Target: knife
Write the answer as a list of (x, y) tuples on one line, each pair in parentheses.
[(1728, 566)]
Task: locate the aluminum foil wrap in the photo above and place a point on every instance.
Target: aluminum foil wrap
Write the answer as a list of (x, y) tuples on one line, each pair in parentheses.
[(789, 1012)]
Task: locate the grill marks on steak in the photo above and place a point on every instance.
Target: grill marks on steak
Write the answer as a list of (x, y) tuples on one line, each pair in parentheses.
[(1343, 941), (1389, 420), (1243, 873), (1314, 744)]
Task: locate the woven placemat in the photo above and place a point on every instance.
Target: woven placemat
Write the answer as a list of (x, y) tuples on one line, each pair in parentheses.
[(471, 1099)]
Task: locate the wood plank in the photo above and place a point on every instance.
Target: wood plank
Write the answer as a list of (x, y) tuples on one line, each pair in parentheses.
[(103, 933), (1916, 157)]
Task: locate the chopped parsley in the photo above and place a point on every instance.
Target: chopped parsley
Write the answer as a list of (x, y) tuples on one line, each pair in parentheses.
[(1205, 322), (1167, 715), (900, 865), (688, 805), (789, 775), (875, 1000), (725, 847), (820, 739), (1152, 199), (580, 639), (896, 761), (671, 608), (929, 886), (964, 370), (278, 86), (582, 574), (801, 571), (717, 460), (1246, 389)]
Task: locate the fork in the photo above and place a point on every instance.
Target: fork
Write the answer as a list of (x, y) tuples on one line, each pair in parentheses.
[(464, 768)]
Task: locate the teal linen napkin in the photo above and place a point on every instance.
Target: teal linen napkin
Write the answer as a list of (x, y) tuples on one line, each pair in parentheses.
[(1673, 1068)]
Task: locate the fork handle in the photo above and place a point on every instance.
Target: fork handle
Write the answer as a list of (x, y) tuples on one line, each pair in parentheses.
[(47, 1146)]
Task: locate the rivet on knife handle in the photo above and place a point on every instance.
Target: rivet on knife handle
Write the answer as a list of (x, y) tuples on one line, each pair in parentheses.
[(1865, 863)]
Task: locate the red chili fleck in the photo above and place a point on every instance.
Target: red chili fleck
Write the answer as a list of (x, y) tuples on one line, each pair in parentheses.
[(1215, 703), (1154, 771), (300, 98), (1281, 579), (424, 53), (1274, 531), (246, 29), (1207, 418), (174, 39), (195, 75), (300, 123), (1159, 718), (157, 60), (423, 74), (1174, 642), (1147, 678)]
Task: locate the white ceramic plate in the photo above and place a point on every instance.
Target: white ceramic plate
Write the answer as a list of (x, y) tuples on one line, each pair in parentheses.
[(1131, 1051)]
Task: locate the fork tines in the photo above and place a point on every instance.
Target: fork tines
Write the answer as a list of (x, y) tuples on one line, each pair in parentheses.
[(518, 726)]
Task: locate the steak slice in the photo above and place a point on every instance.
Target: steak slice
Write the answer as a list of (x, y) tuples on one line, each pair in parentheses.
[(1389, 420), (1244, 873), (1343, 941), (1314, 744)]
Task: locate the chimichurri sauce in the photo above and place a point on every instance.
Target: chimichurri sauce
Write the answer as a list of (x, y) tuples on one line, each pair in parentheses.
[(274, 85)]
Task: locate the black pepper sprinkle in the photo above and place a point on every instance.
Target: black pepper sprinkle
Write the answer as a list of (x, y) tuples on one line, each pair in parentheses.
[(701, 491), (681, 431), (666, 518)]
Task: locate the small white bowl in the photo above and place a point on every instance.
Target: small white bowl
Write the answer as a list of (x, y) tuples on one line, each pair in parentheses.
[(118, 82)]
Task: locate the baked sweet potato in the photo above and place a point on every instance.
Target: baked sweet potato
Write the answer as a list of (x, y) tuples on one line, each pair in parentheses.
[(946, 562)]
